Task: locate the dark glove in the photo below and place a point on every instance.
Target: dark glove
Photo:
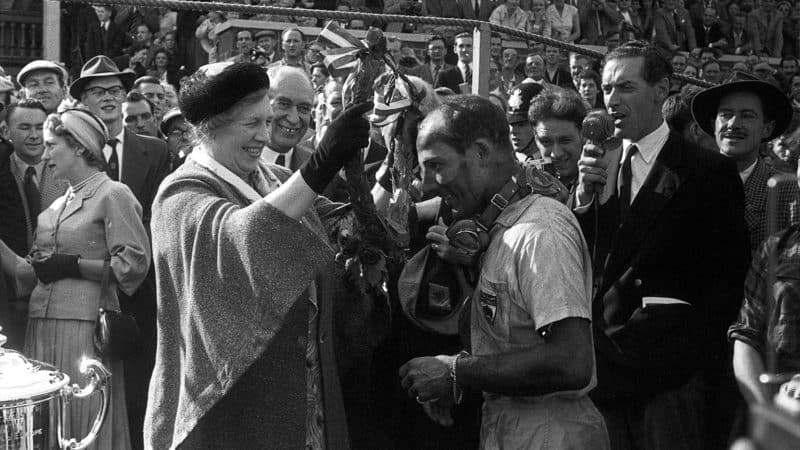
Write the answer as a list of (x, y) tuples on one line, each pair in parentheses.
[(56, 267), (345, 136), (385, 179)]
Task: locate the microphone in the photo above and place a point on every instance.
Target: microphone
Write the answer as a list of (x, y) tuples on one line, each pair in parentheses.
[(597, 129)]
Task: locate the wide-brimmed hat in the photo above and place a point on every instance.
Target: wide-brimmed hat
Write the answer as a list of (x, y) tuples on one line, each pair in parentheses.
[(519, 101), (98, 67), (41, 64), (775, 103)]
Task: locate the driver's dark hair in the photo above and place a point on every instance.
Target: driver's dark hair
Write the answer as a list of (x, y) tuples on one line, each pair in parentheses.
[(466, 119), (656, 65)]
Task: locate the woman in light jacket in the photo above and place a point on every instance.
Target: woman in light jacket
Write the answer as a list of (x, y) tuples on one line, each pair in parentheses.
[(95, 221)]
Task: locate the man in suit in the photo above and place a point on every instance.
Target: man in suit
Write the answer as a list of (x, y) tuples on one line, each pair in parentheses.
[(140, 162), (430, 71), (673, 28), (105, 37), (742, 115), (708, 31), (671, 255), (477, 9), (459, 78), (765, 24), (738, 38), (600, 18), (291, 96), (44, 81), (34, 189), (555, 73)]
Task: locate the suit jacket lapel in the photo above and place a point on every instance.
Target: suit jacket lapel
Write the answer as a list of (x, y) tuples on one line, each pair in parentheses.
[(654, 195), (134, 167)]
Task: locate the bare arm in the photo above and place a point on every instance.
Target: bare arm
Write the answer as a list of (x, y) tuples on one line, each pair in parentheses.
[(17, 268), (747, 366), (576, 29)]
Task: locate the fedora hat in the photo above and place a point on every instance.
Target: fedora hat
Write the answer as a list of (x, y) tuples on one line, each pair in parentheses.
[(775, 103), (98, 67)]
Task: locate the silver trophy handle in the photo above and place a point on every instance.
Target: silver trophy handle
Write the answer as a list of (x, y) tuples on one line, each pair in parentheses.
[(98, 381)]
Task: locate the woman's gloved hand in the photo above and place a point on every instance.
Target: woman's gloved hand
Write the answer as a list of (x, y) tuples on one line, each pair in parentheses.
[(56, 267), (345, 136)]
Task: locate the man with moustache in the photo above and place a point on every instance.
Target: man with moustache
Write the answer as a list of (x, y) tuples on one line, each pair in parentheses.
[(34, 189), (292, 46), (741, 114), (460, 75), (521, 130), (291, 96), (666, 220), (137, 114), (140, 162), (43, 81)]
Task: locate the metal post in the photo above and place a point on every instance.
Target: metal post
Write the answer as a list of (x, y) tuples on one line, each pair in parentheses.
[(481, 57), (51, 26)]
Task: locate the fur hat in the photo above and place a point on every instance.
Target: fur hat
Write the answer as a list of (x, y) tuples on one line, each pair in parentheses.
[(215, 88)]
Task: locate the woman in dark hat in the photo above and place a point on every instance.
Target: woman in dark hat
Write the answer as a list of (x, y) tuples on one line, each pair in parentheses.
[(245, 279)]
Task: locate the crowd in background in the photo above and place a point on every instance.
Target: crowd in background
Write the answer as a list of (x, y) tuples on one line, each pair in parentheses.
[(128, 66)]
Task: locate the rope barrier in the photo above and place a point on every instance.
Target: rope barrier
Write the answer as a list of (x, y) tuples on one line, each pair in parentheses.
[(350, 15)]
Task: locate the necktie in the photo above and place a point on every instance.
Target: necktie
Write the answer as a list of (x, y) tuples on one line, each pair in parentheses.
[(281, 160), (625, 180), (468, 75), (477, 9), (31, 195), (113, 160), (436, 70)]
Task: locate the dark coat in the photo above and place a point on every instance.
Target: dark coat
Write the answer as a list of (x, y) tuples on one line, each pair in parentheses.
[(111, 46), (468, 10), (450, 78), (684, 238), (423, 71), (562, 78), (145, 162), (702, 38), (755, 194), (746, 45)]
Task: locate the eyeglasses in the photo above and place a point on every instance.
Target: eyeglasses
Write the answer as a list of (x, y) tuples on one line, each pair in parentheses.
[(114, 91), (178, 133)]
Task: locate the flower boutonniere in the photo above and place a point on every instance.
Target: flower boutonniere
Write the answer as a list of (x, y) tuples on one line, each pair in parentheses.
[(668, 183)]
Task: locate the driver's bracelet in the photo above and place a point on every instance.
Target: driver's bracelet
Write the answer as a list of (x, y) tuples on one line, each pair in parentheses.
[(458, 393)]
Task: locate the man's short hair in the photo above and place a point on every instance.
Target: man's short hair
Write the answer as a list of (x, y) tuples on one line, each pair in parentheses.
[(289, 30), (464, 119), (147, 79), (25, 103), (677, 111), (434, 38), (135, 97), (656, 66), (557, 104), (321, 67), (462, 35), (590, 74)]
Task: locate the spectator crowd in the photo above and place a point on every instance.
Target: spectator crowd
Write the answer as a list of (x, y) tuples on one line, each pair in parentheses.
[(617, 286)]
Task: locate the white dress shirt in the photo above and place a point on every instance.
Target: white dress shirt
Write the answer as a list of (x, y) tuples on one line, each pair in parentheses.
[(270, 156), (120, 145), (642, 162), (19, 167), (463, 68), (745, 174)]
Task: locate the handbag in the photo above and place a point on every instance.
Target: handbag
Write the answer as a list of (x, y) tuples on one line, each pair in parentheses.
[(116, 334)]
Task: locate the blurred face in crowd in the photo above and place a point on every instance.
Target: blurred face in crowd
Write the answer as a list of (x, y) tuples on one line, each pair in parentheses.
[(512, 5), (45, 86), (103, 96), (318, 78), (25, 133), (588, 90), (496, 48), (238, 143), (357, 24), (624, 5), (577, 64), (678, 63), (143, 34), (768, 5), (510, 59), (170, 96), (537, 6), (712, 73), (762, 71), (244, 41), (560, 140), (169, 41), (709, 17), (292, 44), (634, 103), (747, 5), (155, 93), (690, 71), (59, 157), (789, 68), (103, 13), (393, 48), (706, 57), (267, 43), (138, 118), (795, 88), (741, 125), (534, 67), (733, 9), (436, 51), (784, 149), (552, 56), (463, 49), (314, 53), (738, 23), (522, 134), (179, 137), (161, 60), (292, 97)]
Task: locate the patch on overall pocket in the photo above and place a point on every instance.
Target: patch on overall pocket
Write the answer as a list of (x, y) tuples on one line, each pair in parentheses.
[(488, 304)]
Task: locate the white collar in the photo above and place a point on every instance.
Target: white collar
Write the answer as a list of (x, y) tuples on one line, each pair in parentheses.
[(21, 167), (270, 156), (651, 144), (204, 159), (745, 174)]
